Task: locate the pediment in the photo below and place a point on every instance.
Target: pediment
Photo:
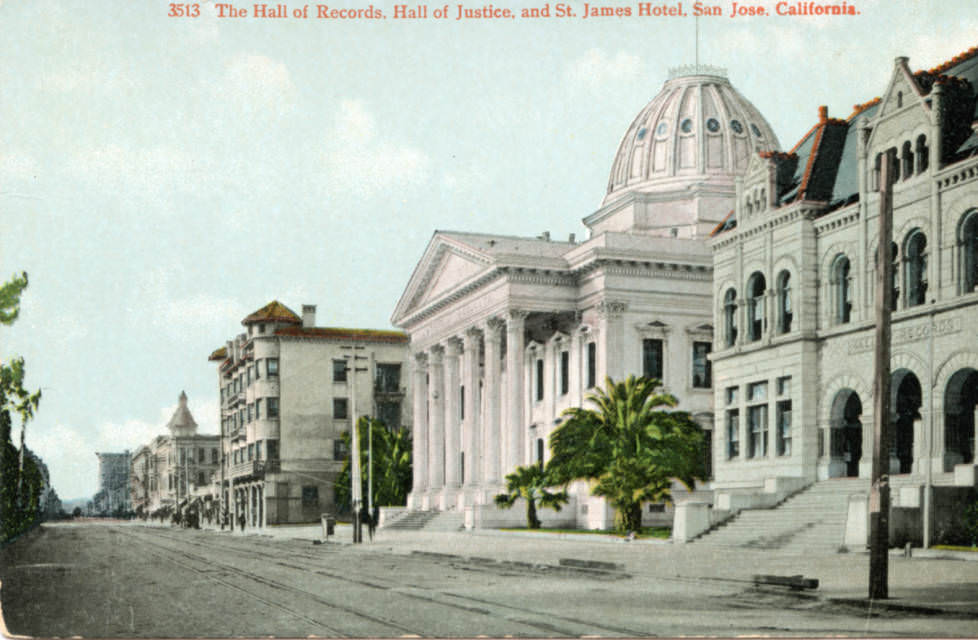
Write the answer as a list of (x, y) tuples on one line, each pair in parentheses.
[(446, 266)]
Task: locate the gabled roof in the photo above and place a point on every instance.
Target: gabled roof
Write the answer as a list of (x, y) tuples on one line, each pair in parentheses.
[(274, 311)]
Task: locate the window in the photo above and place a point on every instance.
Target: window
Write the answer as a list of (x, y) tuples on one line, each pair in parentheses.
[(895, 286), (784, 427), (248, 376), (257, 369), (261, 328), (915, 268), (201, 479), (702, 367), (539, 379), (388, 378), (340, 450), (907, 159), (843, 289), (784, 302), (757, 392), (183, 456), (271, 367), (923, 153), (540, 452), (201, 455), (251, 412), (592, 363), (652, 358), (258, 450), (461, 402), (272, 408), (730, 317), (968, 249), (733, 433), (272, 448), (339, 370), (258, 409), (251, 452), (310, 496), (732, 395), (784, 385), (390, 414), (757, 431), (214, 455), (340, 408), (755, 306), (564, 372)]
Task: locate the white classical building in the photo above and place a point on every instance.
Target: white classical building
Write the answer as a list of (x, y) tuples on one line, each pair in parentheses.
[(507, 332), (793, 295)]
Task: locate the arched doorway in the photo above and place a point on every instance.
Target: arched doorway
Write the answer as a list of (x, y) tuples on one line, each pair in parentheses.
[(905, 401), (847, 430), (960, 400)]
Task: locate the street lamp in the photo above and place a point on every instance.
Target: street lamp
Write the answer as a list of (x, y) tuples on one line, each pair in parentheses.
[(356, 497)]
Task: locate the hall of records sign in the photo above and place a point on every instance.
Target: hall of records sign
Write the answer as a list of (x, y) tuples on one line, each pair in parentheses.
[(911, 333)]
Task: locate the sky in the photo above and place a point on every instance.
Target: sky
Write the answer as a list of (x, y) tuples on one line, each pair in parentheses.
[(161, 178)]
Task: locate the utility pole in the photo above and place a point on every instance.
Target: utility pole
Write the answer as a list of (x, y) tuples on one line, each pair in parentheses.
[(356, 488), (879, 497)]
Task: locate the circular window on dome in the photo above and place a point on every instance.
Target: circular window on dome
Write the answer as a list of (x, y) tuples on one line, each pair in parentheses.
[(757, 132), (661, 129), (736, 126), (641, 133), (686, 125), (713, 125)]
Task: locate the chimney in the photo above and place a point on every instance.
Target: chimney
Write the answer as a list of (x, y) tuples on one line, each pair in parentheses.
[(823, 113), (308, 316), (572, 238)]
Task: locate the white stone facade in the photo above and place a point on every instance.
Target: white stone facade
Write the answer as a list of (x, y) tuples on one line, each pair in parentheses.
[(509, 332), (794, 292)]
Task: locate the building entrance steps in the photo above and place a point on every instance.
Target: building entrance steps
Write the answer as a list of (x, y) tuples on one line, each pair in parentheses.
[(811, 521), (429, 521)]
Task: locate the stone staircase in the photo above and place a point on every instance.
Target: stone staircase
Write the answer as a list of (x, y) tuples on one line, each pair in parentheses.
[(429, 521), (811, 521)]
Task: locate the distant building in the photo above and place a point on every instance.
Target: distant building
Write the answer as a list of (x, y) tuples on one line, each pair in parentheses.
[(173, 466), (286, 390), (113, 483)]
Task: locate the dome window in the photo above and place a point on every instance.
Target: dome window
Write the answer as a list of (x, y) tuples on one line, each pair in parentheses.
[(757, 132), (641, 133), (662, 128), (736, 126), (713, 125), (686, 125)]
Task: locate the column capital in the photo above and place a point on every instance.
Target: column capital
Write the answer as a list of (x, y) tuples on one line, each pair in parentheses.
[(452, 346), (472, 336), (421, 361), (516, 319), (611, 308), (435, 355), (492, 328)]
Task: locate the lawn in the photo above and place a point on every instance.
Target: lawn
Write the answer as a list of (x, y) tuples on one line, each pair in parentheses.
[(951, 547)]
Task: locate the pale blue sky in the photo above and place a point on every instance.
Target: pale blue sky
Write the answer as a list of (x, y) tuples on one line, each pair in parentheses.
[(161, 178)]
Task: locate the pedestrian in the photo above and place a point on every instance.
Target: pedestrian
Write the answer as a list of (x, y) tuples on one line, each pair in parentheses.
[(365, 520), (374, 521), (241, 521)]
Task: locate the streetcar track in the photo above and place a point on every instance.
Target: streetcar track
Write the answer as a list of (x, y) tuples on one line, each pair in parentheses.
[(397, 588)]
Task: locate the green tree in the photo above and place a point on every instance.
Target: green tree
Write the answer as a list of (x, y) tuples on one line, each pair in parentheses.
[(392, 473), (629, 446), (20, 478), (530, 483)]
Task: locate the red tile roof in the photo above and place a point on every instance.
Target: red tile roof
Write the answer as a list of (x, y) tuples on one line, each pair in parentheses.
[(274, 311), (338, 333)]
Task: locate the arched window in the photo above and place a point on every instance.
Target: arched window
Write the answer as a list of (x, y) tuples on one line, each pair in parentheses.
[(894, 164), (895, 280), (843, 289), (923, 153), (730, 317), (755, 306), (784, 302), (907, 157), (915, 268), (968, 249)]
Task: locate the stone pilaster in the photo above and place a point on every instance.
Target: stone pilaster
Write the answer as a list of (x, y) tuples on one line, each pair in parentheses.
[(419, 437), (493, 441), (471, 423), (515, 372), (452, 422), (436, 419)]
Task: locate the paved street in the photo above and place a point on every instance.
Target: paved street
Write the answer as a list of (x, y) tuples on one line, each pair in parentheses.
[(121, 579)]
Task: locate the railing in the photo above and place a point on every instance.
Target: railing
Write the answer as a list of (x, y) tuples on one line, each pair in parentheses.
[(255, 467)]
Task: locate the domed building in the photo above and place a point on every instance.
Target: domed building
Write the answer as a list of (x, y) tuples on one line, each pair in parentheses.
[(507, 332)]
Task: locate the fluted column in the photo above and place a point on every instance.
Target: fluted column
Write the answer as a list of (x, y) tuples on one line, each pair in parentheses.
[(493, 440), (451, 392), (419, 438), (611, 351), (470, 426), (436, 419), (515, 346), (578, 365)]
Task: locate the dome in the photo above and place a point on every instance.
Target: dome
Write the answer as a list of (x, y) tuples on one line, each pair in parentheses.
[(698, 129)]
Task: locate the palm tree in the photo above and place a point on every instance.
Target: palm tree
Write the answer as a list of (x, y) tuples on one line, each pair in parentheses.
[(530, 483), (392, 474), (628, 446)]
